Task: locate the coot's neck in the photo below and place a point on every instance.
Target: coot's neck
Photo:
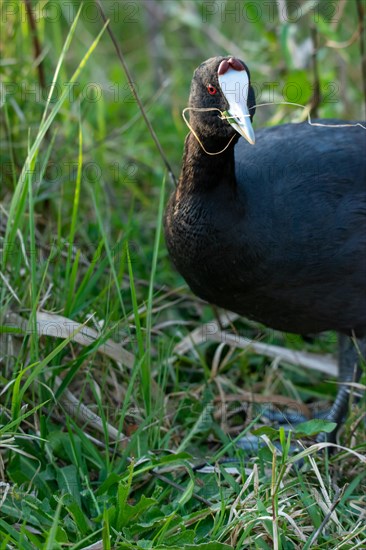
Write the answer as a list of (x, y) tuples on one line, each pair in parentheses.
[(201, 171)]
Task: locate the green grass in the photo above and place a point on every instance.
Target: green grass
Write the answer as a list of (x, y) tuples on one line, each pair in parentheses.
[(112, 391)]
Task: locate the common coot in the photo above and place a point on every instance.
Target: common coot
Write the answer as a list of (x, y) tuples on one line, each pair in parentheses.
[(272, 226)]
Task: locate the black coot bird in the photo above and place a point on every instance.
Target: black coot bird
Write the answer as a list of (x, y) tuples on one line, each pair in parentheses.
[(273, 226)]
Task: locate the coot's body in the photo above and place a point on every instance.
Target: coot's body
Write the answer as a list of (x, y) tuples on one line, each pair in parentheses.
[(284, 241), (274, 231)]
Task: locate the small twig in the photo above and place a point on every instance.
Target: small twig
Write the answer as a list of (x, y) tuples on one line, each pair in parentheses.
[(36, 43), (346, 43), (136, 95), (56, 326), (315, 99), (337, 498), (274, 399), (210, 332), (361, 25), (39, 66)]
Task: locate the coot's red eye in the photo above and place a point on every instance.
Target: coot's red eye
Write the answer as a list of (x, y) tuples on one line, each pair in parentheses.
[(211, 90)]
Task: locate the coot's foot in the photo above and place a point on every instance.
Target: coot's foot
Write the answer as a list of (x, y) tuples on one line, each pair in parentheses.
[(351, 355)]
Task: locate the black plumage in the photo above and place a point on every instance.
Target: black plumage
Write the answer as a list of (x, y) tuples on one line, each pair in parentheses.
[(274, 231)]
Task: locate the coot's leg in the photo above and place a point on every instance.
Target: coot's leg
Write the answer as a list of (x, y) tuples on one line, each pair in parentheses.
[(351, 354)]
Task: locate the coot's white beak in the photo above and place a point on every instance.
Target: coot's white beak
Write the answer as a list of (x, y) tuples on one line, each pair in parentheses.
[(234, 85)]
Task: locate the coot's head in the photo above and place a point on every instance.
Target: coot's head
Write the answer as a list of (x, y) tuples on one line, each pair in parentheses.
[(222, 83)]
